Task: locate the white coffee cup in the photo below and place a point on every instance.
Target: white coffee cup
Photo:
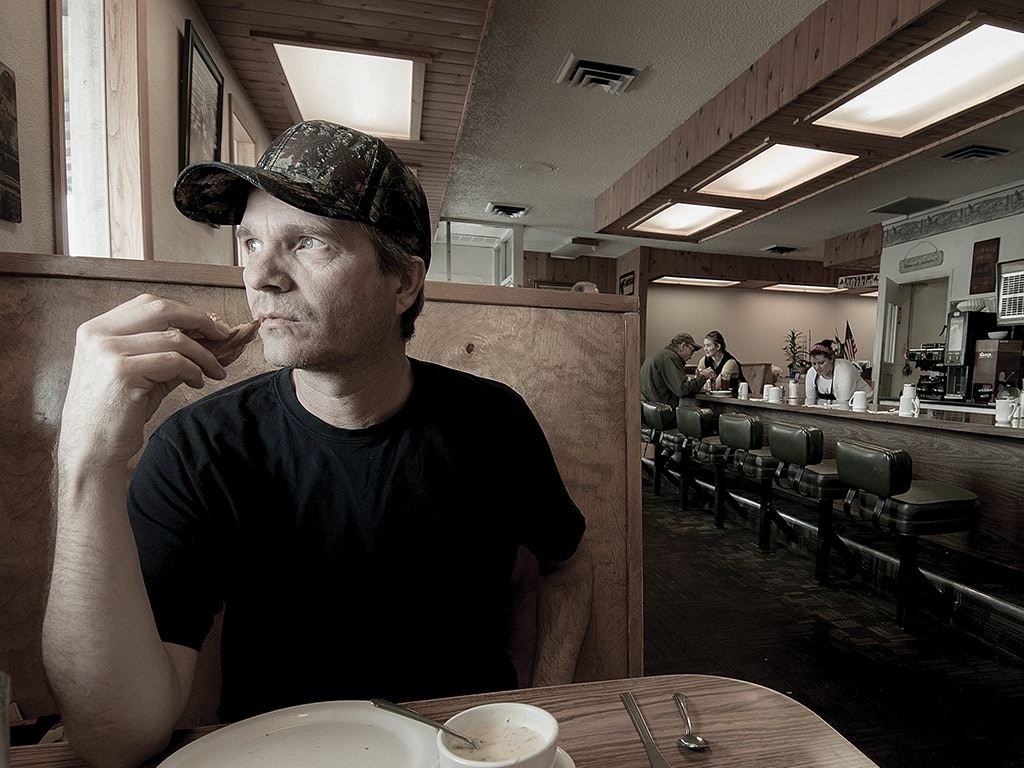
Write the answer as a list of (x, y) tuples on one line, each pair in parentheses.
[(1005, 410), (859, 401), (775, 395), (743, 392), (766, 392)]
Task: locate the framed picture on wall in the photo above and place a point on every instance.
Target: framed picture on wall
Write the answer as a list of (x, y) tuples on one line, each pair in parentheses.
[(201, 102), (10, 173), (626, 286)]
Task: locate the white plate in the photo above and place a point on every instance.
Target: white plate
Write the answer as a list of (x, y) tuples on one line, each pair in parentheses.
[(726, 393), (328, 734)]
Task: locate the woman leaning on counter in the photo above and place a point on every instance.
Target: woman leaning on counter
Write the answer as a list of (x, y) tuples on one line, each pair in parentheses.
[(831, 378), (727, 369)]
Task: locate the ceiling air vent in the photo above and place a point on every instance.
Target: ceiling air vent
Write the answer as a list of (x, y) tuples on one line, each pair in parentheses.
[(779, 249), (508, 210), (587, 73), (975, 153)]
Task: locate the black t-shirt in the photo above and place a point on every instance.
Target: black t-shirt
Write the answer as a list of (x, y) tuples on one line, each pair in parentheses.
[(350, 563)]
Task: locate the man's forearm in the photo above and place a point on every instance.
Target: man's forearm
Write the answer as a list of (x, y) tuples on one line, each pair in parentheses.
[(563, 614), (691, 387), (119, 693)]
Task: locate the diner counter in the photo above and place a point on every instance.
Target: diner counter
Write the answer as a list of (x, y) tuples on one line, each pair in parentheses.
[(944, 445), (748, 726), (941, 416)]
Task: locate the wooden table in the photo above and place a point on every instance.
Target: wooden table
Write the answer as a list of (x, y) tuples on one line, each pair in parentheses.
[(747, 725)]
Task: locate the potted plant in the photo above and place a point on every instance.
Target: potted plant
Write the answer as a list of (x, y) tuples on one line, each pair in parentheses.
[(796, 352)]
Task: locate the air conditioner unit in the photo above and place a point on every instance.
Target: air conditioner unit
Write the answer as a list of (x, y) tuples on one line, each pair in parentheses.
[(1010, 296), (578, 246)]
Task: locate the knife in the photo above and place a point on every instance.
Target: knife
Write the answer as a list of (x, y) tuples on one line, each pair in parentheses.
[(653, 753)]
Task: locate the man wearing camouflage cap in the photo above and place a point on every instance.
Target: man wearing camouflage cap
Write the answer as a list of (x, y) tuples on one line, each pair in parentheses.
[(324, 505), (663, 377)]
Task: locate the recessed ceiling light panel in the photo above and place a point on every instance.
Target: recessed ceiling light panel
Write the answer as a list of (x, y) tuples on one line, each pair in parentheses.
[(681, 219), (971, 69), (793, 288), (704, 282), (774, 170), (373, 94)]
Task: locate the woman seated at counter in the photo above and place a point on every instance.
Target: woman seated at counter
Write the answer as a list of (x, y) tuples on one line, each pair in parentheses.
[(727, 369), (830, 378)]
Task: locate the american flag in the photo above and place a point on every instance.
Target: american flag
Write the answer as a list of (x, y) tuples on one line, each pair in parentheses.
[(849, 345)]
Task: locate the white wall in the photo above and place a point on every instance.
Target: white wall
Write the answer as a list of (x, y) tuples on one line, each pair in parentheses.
[(957, 247), (176, 238), (24, 49), (958, 252), (755, 323)]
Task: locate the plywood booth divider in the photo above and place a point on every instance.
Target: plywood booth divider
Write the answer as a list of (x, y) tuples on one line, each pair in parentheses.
[(574, 357)]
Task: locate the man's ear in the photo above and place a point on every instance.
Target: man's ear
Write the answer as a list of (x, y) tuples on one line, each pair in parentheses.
[(409, 285)]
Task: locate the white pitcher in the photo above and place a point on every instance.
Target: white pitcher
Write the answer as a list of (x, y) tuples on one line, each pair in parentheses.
[(1005, 411), (909, 404)]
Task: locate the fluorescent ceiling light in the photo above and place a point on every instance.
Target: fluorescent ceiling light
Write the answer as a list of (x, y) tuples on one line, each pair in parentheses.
[(373, 94), (969, 70), (684, 219), (708, 282), (872, 294), (774, 170), (803, 288)]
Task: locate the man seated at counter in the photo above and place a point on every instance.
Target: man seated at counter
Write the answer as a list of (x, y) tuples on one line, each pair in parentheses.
[(340, 509), (721, 362), (831, 378), (663, 377)]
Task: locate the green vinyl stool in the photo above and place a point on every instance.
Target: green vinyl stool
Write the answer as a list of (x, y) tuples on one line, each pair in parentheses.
[(803, 471), (881, 481)]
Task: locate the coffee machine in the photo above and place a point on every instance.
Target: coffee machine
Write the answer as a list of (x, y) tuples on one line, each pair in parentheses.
[(996, 362), (963, 330)]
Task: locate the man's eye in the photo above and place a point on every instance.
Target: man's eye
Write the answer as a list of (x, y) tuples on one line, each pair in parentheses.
[(251, 245), (309, 242)]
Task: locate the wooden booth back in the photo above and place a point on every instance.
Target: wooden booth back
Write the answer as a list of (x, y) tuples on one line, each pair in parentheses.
[(574, 357)]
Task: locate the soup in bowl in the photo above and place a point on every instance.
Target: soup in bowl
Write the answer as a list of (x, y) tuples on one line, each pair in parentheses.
[(509, 734)]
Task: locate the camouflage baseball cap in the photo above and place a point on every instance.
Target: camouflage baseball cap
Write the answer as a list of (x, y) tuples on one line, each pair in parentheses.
[(321, 168)]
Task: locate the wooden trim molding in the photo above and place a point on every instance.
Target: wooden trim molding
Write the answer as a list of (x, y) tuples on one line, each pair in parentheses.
[(56, 265)]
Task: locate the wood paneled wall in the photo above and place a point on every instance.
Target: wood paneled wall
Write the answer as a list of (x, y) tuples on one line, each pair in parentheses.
[(539, 267), (574, 357)]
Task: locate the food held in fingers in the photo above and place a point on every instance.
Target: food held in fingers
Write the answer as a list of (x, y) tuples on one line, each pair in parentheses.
[(229, 349)]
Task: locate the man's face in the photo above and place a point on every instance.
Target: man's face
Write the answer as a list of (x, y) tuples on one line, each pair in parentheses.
[(316, 285), (686, 351)]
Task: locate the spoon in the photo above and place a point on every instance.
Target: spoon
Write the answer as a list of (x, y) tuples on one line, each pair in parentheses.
[(398, 709), (690, 740)]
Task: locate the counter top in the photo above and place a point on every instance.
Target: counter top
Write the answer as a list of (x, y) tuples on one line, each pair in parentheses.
[(971, 419)]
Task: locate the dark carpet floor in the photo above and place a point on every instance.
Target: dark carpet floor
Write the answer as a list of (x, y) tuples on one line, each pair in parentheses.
[(928, 697)]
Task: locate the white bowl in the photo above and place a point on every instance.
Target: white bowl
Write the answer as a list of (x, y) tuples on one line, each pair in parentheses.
[(998, 334), (511, 734)]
